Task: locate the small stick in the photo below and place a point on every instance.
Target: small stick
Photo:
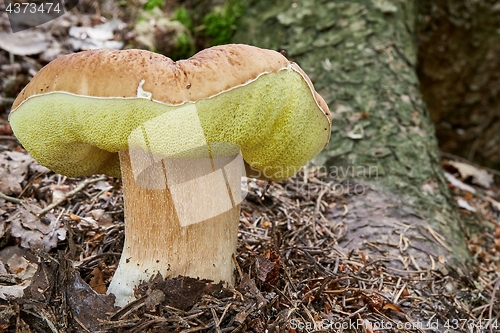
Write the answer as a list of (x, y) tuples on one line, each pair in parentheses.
[(216, 320), (71, 193), (238, 269), (439, 238), (156, 297), (11, 199)]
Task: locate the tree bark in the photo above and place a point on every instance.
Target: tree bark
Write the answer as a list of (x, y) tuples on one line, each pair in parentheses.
[(459, 68), (362, 55)]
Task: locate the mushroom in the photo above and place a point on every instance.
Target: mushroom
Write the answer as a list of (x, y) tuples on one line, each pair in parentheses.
[(180, 134)]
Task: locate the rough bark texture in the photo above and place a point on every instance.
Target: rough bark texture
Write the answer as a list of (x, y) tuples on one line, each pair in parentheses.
[(361, 56), (459, 69)]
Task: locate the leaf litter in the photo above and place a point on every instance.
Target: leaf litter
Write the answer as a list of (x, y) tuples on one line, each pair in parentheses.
[(289, 269)]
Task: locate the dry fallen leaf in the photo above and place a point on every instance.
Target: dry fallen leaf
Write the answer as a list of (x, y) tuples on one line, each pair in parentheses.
[(34, 231), (20, 271), (268, 269), (390, 306), (13, 170), (479, 177), (97, 281), (88, 223), (102, 217), (59, 192)]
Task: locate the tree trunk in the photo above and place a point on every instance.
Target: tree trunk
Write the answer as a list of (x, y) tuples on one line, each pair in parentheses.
[(459, 68), (361, 56)]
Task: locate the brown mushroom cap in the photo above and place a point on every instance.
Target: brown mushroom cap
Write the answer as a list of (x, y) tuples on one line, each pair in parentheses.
[(79, 110)]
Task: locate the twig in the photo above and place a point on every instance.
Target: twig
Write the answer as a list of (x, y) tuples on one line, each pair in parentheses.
[(11, 199), (216, 320), (81, 324), (238, 268), (71, 193), (439, 238), (317, 211), (268, 185), (196, 329), (224, 312), (156, 297)]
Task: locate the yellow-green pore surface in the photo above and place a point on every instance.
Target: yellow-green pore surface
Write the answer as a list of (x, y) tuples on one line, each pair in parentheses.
[(274, 120)]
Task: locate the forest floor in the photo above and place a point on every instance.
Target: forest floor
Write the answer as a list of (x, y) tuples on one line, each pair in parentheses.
[(61, 239)]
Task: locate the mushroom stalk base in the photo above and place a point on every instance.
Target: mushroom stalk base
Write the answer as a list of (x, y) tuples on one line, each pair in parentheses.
[(155, 242)]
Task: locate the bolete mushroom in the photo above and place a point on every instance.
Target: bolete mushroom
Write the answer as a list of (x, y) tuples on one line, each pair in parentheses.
[(174, 131)]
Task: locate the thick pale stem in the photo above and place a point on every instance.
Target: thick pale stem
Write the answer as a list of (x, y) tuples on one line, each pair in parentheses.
[(155, 241)]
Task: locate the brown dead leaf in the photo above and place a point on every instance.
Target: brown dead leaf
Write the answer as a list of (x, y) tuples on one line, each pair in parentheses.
[(497, 231), (37, 168), (268, 268), (257, 325), (97, 281), (478, 176), (87, 306), (374, 301), (247, 286), (241, 317), (59, 191), (33, 231), (74, 217), (496, 236), (88, 223), (13, 170), (391, 306), (21, 267), (181, 292), (101, 216)]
